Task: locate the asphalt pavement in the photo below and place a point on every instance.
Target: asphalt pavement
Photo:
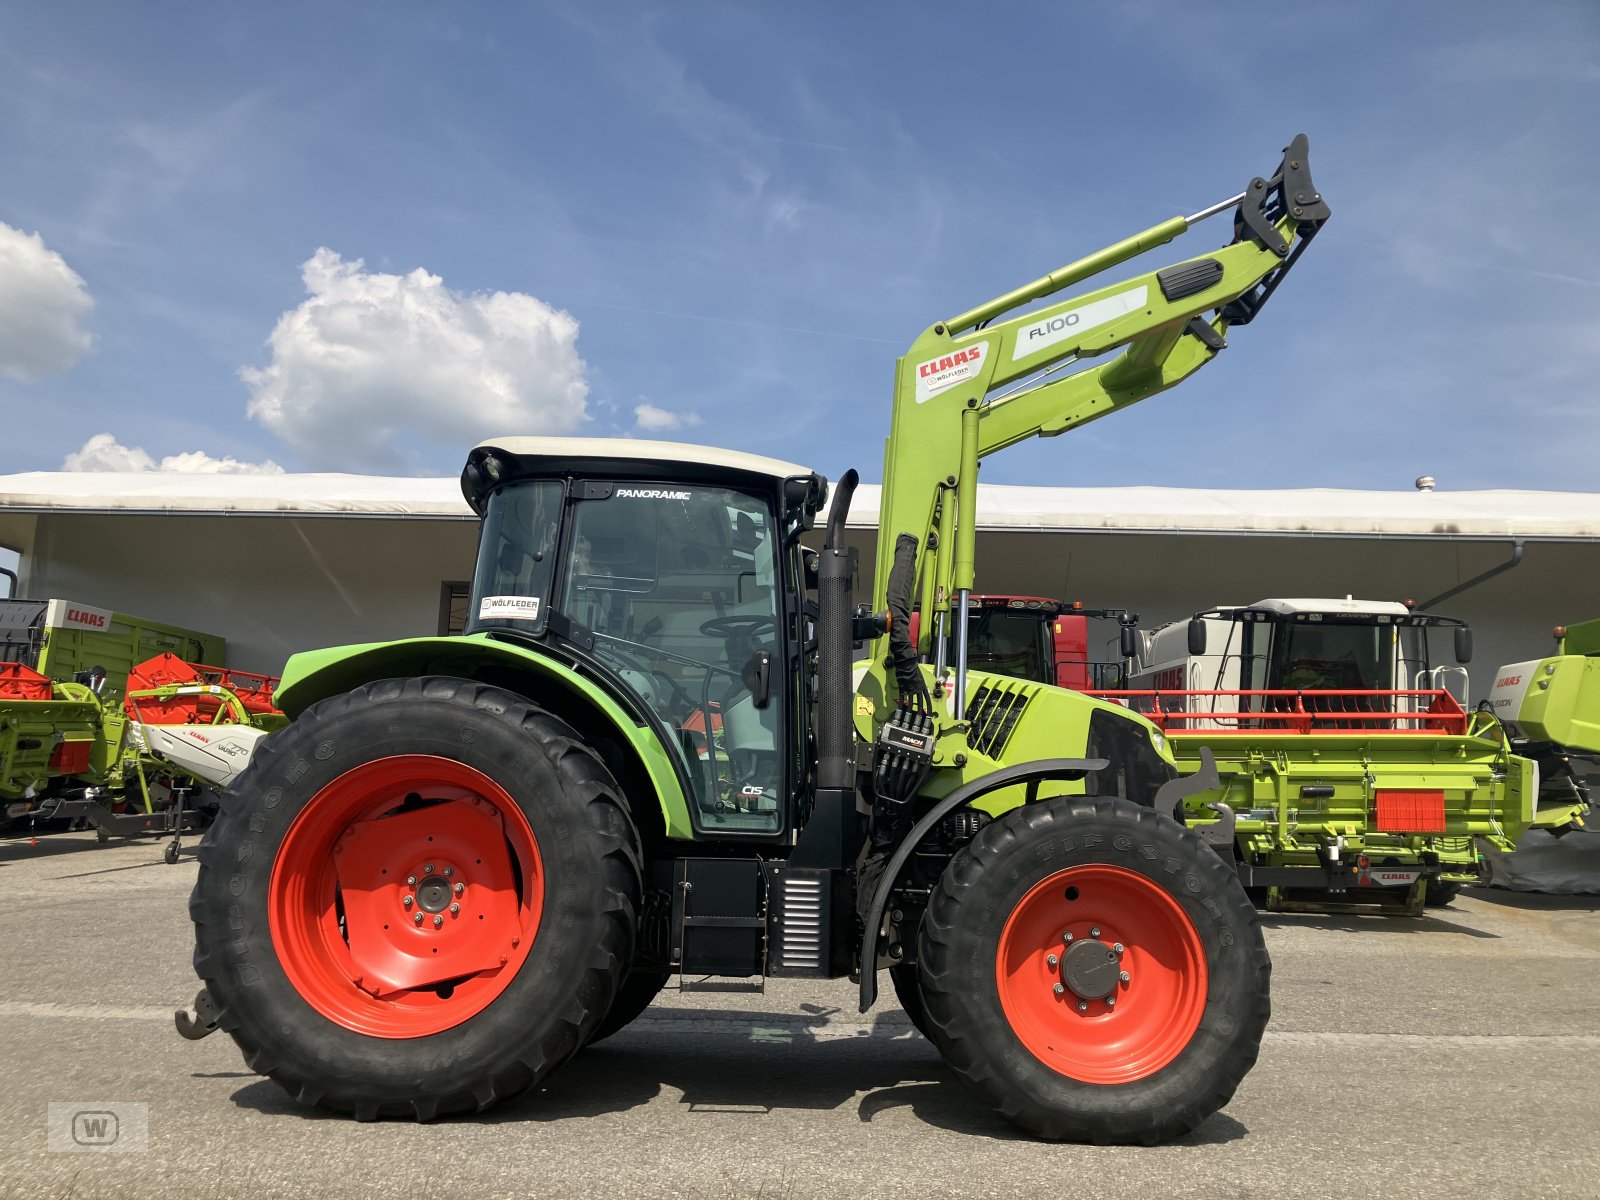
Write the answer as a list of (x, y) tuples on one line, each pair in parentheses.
[(1452, 1055)]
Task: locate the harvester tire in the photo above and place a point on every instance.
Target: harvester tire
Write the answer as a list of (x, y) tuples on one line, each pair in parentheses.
[(408, 819), (1440, 893), (1095, 972), (907, 982), (633, 997)]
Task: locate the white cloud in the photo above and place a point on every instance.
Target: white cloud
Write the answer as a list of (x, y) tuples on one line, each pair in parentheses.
[(661, 420), (103, 452), (42, 301), (371, 362)]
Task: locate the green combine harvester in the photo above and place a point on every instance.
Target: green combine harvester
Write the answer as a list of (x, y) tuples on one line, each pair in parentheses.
[(1551, 710), (1350, 776), (652, 755)]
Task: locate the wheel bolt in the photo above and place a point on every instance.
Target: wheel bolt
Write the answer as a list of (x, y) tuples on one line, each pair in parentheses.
[(411, 881), (1111, 1001), (1117, 948), (437, 920), (1059, 990), (1067, 937), (460, 887), (1052, 961), (418, 918), (1124, 978), (409, 901), (427, 868), (455, 910), (449, 871), (1083, 1006), (1094, 931)]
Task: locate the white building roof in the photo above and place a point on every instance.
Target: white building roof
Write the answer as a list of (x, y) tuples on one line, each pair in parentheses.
[(1554, 516)]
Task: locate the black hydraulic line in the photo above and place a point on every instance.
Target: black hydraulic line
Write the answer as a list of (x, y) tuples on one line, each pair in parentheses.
[(11, 593), (1497, 569)]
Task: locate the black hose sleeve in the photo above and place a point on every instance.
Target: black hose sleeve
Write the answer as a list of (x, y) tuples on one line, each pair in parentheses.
[(902, 652)]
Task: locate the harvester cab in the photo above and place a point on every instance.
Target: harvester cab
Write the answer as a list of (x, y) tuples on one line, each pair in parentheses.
[(1366, 655), (652, 755)]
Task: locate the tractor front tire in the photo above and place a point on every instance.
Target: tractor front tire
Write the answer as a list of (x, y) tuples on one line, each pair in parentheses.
[(419, 900), (1095, 972), (907, 981)]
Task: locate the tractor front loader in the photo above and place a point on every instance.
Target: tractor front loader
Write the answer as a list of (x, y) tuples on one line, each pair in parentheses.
[(654, 754)]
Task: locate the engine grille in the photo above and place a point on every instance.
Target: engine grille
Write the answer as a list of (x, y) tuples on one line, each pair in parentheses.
[(800, 938), (993, 712)]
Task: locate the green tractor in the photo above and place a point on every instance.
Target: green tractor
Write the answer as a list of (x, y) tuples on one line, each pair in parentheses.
[(656, 752)]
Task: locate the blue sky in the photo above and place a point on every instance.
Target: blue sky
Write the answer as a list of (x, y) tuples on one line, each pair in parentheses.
[(748, 210)]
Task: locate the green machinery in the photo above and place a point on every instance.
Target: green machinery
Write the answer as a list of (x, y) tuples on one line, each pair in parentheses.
[(1350, 776), (64, 668), (104, 717), (1551, 710), (651, 755)]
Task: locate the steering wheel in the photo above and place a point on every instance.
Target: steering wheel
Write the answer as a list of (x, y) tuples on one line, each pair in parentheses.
[(738, 626)]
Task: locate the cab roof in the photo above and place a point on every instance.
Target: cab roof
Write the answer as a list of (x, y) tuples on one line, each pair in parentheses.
[(500, 459), (564, 450)]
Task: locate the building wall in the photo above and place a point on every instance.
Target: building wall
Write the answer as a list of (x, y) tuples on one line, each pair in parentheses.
[(275, 585), (270, 585)]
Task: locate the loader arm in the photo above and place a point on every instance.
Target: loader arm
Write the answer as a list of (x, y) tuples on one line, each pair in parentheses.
[(981, 381)]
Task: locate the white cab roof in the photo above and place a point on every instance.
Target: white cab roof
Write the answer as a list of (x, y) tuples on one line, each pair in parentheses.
[(1288, 608), (568, 448)]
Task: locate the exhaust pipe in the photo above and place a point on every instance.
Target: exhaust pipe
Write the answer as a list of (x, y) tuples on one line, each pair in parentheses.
[(832, 835), (836, 604)]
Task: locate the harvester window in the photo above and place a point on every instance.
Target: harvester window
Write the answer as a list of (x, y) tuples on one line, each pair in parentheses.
[(678, 585), (1013, 644)]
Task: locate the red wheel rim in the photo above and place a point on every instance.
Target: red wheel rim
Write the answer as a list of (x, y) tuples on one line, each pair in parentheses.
[(1097, 1013), (385, 843)]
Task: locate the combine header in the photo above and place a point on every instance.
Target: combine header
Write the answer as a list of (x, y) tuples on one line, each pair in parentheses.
[(1349, 774), (90, 731)]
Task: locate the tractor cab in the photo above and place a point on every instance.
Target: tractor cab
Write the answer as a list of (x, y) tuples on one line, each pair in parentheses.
[(673, 572)]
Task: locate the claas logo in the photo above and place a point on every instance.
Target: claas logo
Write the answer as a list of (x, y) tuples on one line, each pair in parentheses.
[(938, 366)]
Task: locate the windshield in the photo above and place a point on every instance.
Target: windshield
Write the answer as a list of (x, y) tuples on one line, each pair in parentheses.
[(515, 558), (1333, 657), (1012, 644)]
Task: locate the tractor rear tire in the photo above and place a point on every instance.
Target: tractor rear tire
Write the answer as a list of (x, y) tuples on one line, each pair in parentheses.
[(408, 819), (1095, 972), (633, 997), (907, 981)]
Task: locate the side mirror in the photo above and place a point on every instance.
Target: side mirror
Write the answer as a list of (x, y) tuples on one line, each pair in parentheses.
[(1197, 637), (1463, 643), (1129, 635)]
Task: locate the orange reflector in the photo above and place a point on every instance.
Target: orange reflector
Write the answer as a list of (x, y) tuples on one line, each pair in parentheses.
[(1402, 810)]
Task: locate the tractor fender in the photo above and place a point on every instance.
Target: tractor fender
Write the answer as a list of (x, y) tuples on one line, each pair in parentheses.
[(1029, 773), (589, 699)]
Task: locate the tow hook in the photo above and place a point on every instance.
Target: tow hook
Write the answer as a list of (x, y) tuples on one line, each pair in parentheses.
[(200, 1023)]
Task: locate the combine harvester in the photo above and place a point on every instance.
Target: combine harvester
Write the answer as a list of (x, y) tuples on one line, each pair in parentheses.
[(1550, 708), (1351, 774), (102, 719)]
